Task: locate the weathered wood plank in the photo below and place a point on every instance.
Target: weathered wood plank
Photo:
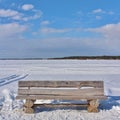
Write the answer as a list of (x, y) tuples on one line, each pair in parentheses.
[(60, 105), (54, 97), (98, 84), (63, 92)]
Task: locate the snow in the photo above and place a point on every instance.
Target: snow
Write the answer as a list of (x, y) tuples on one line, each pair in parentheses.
[(11, 71)]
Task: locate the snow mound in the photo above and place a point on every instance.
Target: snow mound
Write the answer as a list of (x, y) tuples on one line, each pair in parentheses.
[(8, 102)]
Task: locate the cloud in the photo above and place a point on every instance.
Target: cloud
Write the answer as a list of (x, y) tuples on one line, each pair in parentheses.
[(46, 22), (98, 11), (100, 14), (15, 15), (111, 31), (11, 30), (36, 48), (110, 37), (11, 39), (53, 30), (37, 14), (54, 47), (98, 17), (8, 13), (50, 30), (14, 44), (111, 13), (27, 7)]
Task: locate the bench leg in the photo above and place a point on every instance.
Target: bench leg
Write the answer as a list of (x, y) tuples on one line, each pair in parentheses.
[(28, 106), (93, 105)]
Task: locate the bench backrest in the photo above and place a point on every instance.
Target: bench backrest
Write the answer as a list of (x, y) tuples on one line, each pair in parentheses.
[(58, 84), (60, 89)]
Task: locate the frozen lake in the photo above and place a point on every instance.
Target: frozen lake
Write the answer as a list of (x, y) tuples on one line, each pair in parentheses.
[(106, 70), (11, 71)]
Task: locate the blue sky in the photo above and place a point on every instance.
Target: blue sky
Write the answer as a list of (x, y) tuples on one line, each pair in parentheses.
[(56, 28)]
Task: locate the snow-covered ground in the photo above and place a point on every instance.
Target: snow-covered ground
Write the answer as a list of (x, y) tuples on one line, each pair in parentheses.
[(11, 71)]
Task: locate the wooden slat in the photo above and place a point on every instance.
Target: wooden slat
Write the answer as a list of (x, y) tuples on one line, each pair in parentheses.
[(48, 97), (97, 84), (96, 92), (61, 105), (63, 92)]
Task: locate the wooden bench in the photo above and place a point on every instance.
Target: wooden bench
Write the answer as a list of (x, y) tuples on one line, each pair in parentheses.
[(91, 91)]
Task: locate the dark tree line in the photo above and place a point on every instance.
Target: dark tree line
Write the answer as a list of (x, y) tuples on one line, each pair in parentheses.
[(69, 57), (90, 57)]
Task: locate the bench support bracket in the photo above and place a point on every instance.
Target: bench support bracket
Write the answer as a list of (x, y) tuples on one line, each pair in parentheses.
[(29, 106), (93, 105)]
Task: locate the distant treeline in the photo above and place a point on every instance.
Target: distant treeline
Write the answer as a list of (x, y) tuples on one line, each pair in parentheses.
[(69, 57), (90, 57)]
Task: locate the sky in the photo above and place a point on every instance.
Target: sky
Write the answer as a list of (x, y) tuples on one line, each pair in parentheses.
[(58, 28)]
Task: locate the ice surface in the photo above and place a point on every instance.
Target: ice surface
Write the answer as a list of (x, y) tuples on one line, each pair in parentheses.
[(11, 71)]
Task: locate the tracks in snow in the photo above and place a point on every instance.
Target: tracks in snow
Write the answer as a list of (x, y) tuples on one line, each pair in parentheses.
[(9, 79)]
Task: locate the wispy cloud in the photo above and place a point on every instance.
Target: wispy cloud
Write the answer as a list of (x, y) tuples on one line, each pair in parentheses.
[(15, 15), (9, 13), (46, 31), (46, 22), (101, 11), (98, 17), (27, 7), (53, 30), (37, 14), (98, 11)]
